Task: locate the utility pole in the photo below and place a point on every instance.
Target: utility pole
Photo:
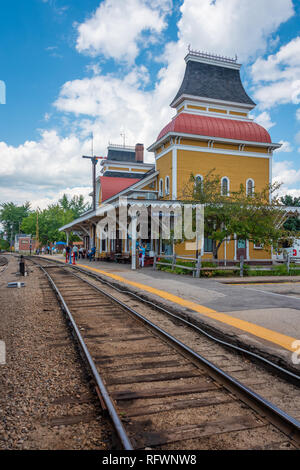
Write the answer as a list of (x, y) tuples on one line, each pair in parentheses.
[(94, 161), (37, 229)]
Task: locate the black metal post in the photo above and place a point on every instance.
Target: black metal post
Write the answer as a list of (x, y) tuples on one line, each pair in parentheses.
[(22, 266)]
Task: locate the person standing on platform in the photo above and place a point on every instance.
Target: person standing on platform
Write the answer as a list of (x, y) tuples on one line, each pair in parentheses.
[(75, 251), (91, 254), (142, 255), (68, 251)]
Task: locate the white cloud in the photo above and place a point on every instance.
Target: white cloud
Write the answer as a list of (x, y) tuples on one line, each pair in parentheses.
[(35, 195), (53, 198), (284, 172), (115, 102), (277, 77), (264, 119), (285, 147), (232, 26), (107, 103), (290, 192), (51, 163), (94, 68), (116, 28)]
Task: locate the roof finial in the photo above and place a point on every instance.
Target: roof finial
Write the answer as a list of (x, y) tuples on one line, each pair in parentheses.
[(207, 55)]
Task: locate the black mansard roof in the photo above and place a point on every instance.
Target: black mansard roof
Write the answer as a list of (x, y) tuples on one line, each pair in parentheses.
[(213, 81)]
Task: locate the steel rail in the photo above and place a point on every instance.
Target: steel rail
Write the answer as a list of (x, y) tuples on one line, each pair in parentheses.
[(286, 421), (195, 327), (281, 369), (278, 417), (104, 393)]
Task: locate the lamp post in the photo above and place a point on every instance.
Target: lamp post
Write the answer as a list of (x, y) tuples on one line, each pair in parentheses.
[(37, 229), (94, 161)]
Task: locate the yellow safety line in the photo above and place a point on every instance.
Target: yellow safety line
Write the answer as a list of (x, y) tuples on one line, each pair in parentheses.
[(273, 336)]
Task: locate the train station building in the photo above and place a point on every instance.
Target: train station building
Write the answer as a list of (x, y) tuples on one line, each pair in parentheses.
[(211, 130)]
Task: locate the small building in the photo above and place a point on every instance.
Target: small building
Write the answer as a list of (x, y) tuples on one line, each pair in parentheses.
[(24, 243), (211, 130)]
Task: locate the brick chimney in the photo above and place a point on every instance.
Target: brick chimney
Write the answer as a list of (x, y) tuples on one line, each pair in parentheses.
[(139, 153)]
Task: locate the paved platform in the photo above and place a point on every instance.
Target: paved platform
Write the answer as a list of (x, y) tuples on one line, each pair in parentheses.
[(263, 316)]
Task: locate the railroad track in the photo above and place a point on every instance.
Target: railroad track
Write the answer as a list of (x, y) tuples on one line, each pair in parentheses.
[(158, 392), (3, 264), (3, 261)]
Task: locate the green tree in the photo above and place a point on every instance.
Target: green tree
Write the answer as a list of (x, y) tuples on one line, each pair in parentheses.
[(11, 217), (253, 217), (49, 220), (4, 244), (292, 224), (76, 205), (288, 200)]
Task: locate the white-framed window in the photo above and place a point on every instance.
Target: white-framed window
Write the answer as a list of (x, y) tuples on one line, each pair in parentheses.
[(208, 245), (257, 246), (225, 186), (198, 180), (250, 187), (161, 187), (167, 185)]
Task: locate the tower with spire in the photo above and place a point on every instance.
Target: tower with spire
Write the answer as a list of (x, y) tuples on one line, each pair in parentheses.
[(212, 130)]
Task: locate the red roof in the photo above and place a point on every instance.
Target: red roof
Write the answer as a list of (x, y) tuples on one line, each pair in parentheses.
[(111, 185), (185, 123)]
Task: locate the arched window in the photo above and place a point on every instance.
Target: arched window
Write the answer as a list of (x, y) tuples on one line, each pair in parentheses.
[(161, 187), (198, 180), (249, 187), (225, 186), (167, 185)]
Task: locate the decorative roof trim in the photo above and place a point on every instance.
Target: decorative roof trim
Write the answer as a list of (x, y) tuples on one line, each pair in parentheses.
[(125, 148), (215, 114), (159, 142), (121, 163), (212, 59), (210, 101)]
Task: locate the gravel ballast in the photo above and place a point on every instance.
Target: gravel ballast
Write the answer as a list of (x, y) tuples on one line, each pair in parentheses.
[(47, 400)]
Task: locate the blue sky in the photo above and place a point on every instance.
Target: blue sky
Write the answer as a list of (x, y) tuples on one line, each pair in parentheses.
[(111, 66)]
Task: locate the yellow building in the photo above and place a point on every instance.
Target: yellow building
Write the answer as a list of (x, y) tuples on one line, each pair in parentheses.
[(211, 130)]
